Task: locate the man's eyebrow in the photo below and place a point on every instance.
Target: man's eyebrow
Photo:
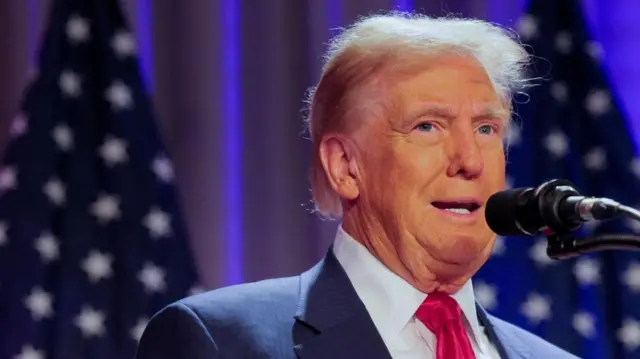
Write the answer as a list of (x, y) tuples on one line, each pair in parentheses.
[(447, 112), (435, 110), (493, 113)]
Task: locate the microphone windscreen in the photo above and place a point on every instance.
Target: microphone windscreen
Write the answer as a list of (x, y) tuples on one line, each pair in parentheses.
[(502, 210)]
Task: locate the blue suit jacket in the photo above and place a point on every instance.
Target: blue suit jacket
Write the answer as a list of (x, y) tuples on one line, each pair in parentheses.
[(311, 316)]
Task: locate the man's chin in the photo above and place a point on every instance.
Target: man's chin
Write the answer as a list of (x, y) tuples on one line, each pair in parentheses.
[(461, 253), (452, 272), (443, 284), (451, 288)]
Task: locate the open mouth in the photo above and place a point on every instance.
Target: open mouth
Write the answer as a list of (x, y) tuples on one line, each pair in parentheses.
[(457, 207)]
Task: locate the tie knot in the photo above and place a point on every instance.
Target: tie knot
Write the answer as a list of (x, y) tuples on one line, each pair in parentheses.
[(438, 310)]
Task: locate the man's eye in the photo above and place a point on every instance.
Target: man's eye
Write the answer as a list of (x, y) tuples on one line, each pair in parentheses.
[(486, 130), (425, 126)]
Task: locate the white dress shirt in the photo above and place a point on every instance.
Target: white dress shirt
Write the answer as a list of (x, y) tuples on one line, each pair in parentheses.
[(392, 302)]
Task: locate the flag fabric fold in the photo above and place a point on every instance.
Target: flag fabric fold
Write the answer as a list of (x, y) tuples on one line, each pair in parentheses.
[(569, 126), (92, 239)]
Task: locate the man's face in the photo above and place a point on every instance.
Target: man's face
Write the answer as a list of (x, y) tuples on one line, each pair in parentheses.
[(430, 164)]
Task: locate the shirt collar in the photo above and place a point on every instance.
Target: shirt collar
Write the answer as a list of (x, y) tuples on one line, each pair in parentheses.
[(389, 299)]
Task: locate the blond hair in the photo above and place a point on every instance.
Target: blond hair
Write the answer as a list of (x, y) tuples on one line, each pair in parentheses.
[(377, 42)]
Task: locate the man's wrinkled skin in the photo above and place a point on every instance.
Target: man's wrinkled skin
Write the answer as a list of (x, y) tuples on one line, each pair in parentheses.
[(437, 135)]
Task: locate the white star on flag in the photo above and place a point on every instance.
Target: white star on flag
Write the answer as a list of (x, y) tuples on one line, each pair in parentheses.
[(557, 144), (527, 27), (559, 91), (48, 247), (114, 151), (499, 247), (486, 295), (90, 322), (596, 159), (123, 44), (595, 50), (564, 42), (584, 324), (77, 29), (97, 266), (8, 178), (29, 352), (55, 191), (152, 277), (39, 303), (63, 137), (536, 308), (119, 96), (137, 331), (631, 277), (629, 334), (587, 271), (19, 125), (163, 168), (70, 84), (158, 223), (106, 208), (538, 252), (598, 102), (196, 289)]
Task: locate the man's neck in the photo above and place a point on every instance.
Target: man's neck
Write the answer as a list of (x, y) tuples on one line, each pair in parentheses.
[(382, 242), (373, 236)]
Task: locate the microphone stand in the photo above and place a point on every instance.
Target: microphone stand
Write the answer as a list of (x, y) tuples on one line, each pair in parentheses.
[(564, 245)]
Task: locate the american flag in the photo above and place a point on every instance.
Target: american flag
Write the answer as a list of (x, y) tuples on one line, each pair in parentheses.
[(570, 126), (92, 242)]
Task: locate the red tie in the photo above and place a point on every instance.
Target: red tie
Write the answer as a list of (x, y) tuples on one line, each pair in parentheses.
[(442, 316)]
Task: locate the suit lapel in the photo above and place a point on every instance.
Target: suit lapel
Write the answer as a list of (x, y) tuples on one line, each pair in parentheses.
[(331, 320), (509, 345)]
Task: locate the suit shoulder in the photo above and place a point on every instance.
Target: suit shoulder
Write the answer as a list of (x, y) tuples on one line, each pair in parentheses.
[(275, 294), (232, 322), (540, 347)]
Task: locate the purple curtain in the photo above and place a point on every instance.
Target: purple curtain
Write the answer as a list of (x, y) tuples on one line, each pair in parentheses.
[(228, 80)]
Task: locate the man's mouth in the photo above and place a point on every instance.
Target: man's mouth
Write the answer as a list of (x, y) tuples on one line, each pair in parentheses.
[(463, 207)]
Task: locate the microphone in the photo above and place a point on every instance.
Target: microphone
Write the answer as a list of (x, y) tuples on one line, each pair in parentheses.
[(554, 207)]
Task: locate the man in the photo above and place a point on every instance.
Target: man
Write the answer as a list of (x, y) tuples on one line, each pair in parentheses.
[(407, 123)]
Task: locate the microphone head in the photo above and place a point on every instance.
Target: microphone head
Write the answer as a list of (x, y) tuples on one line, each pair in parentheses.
[(503, 211)]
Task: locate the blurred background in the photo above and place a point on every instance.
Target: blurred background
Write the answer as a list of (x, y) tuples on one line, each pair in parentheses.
[(226, 82)]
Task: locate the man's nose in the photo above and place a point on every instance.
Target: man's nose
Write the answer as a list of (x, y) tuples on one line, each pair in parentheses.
[(465, 159)]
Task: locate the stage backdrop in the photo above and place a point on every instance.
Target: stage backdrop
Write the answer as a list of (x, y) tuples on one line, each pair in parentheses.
[(228, 79)]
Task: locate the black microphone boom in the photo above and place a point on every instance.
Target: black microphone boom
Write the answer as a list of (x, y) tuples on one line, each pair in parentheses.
[(555, 209)]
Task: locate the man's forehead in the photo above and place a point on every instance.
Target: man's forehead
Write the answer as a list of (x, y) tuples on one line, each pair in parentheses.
[(416, 89)]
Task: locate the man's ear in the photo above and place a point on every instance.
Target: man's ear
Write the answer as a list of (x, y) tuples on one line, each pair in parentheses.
[(337, 155)]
